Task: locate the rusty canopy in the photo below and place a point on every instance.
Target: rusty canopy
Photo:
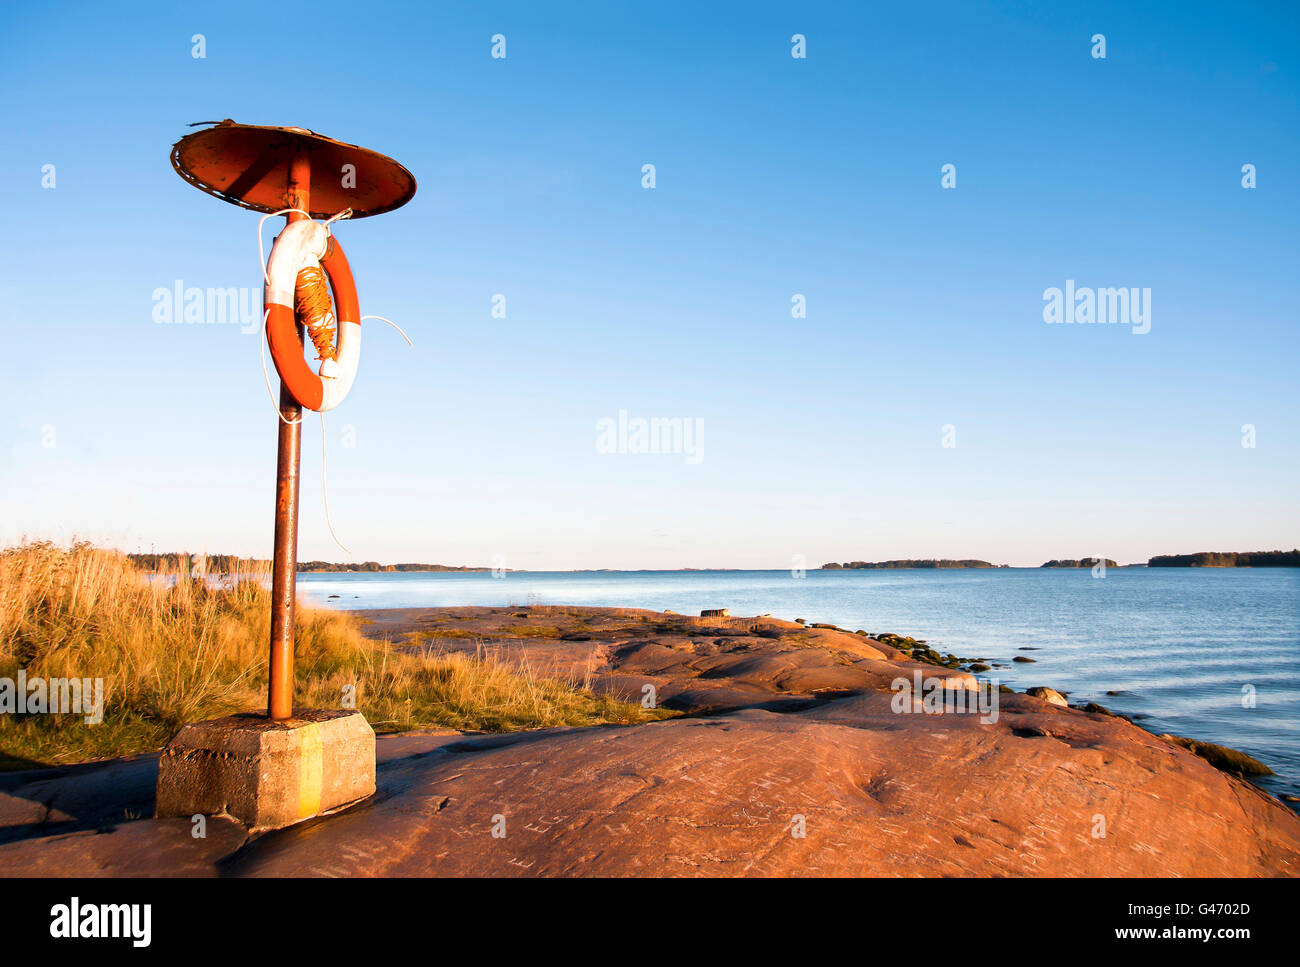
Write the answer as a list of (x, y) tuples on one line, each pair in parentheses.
[(248, 165)]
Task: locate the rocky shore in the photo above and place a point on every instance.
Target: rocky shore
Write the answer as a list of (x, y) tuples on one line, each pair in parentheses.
[(796, 752)]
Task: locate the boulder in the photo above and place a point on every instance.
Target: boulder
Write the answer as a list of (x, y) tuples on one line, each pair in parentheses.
[(1049, 695)]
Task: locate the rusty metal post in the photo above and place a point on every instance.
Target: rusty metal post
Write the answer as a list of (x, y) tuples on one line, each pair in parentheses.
[(284, 573)]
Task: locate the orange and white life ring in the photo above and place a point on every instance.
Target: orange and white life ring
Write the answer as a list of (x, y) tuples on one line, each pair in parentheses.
[(300, 252)]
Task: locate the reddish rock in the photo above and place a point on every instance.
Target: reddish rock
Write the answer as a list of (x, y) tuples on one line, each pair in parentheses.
[(809, 771)]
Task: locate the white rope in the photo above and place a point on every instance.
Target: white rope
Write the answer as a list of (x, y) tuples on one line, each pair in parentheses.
[(325, 487), (261, 250), (394, 325), (324, 478), (261, 347), (346, 213)]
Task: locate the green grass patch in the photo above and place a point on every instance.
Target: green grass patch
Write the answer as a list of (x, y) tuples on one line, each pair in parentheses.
[(522, 630), (1222, 757)]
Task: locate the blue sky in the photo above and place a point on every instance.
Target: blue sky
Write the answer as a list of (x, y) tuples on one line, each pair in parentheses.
[(775, 176)]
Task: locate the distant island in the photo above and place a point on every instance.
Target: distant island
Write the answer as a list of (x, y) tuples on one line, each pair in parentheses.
[(1228, 559), (927, 563), (233, 564)]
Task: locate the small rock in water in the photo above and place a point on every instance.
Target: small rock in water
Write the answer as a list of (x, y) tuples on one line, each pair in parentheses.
[(1098, 709), (1221, 757), (1022, 658)]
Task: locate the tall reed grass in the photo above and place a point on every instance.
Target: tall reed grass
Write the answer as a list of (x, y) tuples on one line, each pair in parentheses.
[(173, 647)]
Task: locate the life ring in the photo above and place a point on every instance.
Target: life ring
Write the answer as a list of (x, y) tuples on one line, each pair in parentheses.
[(306, 247)]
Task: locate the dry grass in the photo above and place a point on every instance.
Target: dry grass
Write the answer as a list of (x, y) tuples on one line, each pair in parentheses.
[(173, 649), (742, 624), (573, 611)]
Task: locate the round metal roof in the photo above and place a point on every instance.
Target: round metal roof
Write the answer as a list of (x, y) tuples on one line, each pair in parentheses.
[(248, 165)]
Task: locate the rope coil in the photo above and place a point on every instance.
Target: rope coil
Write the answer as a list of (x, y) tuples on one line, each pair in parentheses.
[(315, 310)]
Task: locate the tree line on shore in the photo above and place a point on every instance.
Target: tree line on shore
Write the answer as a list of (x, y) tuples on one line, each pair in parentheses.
[(1228, 559), (1201, 559), (233, 564), (1081, 562), (926, 563), (207, 563)]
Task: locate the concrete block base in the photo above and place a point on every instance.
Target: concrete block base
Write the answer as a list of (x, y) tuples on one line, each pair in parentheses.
[(268, 774)]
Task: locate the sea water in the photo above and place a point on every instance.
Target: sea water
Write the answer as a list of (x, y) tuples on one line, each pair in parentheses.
[(1212, 653)]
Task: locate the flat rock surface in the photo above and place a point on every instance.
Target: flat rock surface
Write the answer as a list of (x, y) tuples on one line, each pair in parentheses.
[(695, 664), (790, 760)]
